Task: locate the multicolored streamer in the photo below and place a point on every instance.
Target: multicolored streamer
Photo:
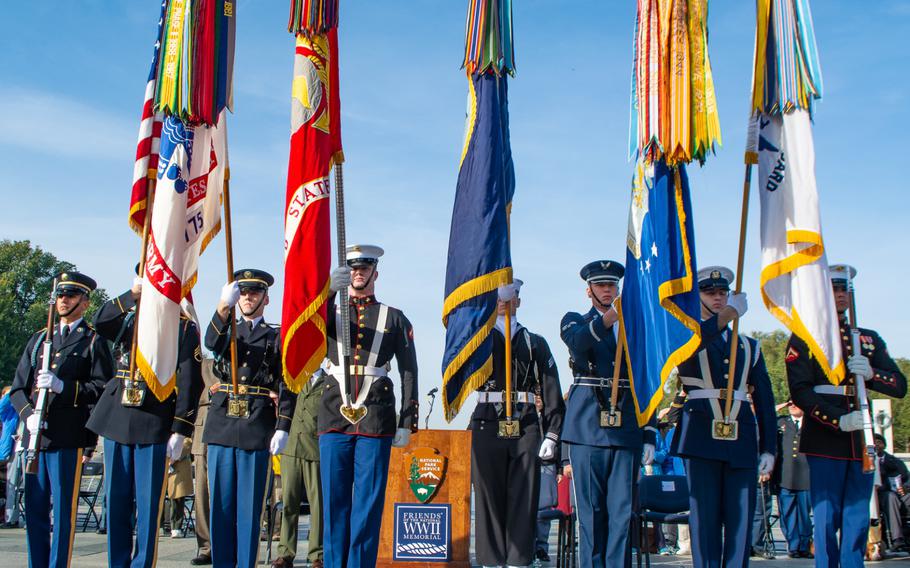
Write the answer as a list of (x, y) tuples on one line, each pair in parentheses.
[(488, 38), (786, 75), (674, 108), (313, 17)]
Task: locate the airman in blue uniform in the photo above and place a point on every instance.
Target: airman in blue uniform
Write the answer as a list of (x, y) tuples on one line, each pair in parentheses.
[(724, 457)]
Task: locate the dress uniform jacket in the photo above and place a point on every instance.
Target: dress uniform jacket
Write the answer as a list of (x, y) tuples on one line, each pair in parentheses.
[(153, 422), (708, 369), (821, 435), (258, 365), (793, 468), (397, 341), (83, 363)]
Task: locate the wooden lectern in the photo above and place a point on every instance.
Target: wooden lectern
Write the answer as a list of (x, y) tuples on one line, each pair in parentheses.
[(450, 450)]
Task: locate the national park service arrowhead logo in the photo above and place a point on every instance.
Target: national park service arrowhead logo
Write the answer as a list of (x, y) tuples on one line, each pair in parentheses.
[(426, 472)]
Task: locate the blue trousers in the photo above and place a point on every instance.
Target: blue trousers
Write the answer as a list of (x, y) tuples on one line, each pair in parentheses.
[(794, 517), (603, 478), (840, 494), (134, 485), (237, 484), (721, 506), (354, 469), (59, 475)]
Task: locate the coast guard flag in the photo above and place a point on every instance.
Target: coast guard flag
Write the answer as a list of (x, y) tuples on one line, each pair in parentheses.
[(659, 308), (479, 260), (185, 217)]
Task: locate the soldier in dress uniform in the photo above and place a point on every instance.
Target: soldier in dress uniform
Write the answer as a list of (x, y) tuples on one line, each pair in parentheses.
[(793, 500), (605, 459), (140, 432), (724, 459), (80, 367), (242, 428), (832, 435), (505, 470), (358, 427)]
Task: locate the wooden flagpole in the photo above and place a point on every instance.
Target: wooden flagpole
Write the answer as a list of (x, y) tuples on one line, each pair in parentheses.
[(229, 249)]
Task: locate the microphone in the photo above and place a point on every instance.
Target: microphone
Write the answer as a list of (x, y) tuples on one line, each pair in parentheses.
[(432, 396), (433, 392)]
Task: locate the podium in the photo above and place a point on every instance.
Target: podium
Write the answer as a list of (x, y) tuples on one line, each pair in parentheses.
[(426, 519)]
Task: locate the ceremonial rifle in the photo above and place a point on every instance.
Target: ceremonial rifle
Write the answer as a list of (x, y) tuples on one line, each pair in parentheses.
[(34, 441), (344, 358)]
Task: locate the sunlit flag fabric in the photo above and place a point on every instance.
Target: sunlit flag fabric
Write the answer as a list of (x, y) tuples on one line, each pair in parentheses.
[(185, 217), (794, 276), (315, 146), (659, 306)]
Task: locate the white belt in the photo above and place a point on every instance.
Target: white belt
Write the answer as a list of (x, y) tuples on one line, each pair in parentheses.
[(361, 370), (717, 394), (842, 390), (499, 397)]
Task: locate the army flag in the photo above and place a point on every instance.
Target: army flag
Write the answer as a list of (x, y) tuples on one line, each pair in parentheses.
[(659, 308), (794, 279), (315, 146)]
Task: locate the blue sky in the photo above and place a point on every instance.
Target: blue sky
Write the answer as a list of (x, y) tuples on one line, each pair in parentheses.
[(73, 80)]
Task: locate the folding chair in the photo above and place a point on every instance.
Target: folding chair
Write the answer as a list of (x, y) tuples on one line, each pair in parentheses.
[(661, 499), (89, 490), (566, 543), (189, 522)]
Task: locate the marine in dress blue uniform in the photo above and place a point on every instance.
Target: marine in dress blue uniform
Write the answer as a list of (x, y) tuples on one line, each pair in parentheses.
[(605, 460), (79, 368), (242, 428), (354, 447), (140, 432), (832, 434), (722, 467)]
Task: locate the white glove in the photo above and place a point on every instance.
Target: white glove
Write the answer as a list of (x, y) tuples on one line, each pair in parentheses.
[(175, 446), (48, 380), (230, 294), (859, 366), (765, 464), (851, 421), (33, 424), (279, 441), (547, 450), (647, 454), (506, 292), (739, 303), (340, 278), (402, 437), (137, 286)]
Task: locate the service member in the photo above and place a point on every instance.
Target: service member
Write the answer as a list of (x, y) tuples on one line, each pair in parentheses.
[(357, 424), (505, 470), (243, 427), (724, 457), (140, 432), (793, 499), (79, 368), (832, 435), (605, 459), (893, 493)]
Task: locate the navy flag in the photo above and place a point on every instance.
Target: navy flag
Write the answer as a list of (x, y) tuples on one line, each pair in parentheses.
[(479, 259), (659, 308)]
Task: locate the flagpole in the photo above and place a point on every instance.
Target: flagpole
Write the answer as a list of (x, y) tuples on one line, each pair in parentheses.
[(617, 362), (143, 254), (508, 361), (229, 250), (344, 358)]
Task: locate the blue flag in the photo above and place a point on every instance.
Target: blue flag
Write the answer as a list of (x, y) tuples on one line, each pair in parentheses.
[(659, 307), (479, 258)]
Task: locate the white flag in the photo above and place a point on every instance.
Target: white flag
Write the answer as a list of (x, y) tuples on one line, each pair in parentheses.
[(794, 277)]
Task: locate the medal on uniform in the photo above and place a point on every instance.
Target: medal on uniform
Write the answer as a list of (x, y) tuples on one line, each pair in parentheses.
[(723, 430), (509, 429), (610, 418), (133, 392)]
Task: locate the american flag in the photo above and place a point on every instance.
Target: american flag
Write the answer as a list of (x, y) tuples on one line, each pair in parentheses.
[(149, 139)]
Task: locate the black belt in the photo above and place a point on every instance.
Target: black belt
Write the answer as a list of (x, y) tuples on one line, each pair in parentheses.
[(599, 382), (248, 390)]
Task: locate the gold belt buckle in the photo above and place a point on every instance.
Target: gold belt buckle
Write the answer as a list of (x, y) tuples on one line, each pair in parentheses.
[(353, 414), (238, 406), (509, 429), (133, 393), (723, 430), (610, 418)]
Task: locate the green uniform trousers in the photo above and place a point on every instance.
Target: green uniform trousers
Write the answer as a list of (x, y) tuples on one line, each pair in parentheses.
[(297, 474)]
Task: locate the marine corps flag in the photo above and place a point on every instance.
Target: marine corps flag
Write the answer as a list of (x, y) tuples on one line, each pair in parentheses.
[(315, 146), (479, 259), (795, 285)]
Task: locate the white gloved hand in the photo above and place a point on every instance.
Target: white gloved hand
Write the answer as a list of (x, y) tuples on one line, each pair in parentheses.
[(279, 441), (33, 424), (851, 421), (340, 278), (175, 446), (738, 302), (506, 292), (547, 450), (402, 437), (48, 380), (647, 454), (230, 294), (765, 464), (859, 366), (136, 289)]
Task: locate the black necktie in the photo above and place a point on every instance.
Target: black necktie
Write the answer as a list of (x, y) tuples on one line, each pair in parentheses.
[(65, 331), (250, 323)]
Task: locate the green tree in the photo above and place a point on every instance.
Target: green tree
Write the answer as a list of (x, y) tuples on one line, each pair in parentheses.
[(26, 275)]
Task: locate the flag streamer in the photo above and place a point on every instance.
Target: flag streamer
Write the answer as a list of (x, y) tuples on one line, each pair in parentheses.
[(488, 38), (674, 107), (313, 17)]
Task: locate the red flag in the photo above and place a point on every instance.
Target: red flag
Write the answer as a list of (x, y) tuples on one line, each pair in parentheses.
[(315, 146)]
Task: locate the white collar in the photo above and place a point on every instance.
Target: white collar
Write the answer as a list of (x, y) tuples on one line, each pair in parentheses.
[(500, 325), (72, 325), (254, 322)]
